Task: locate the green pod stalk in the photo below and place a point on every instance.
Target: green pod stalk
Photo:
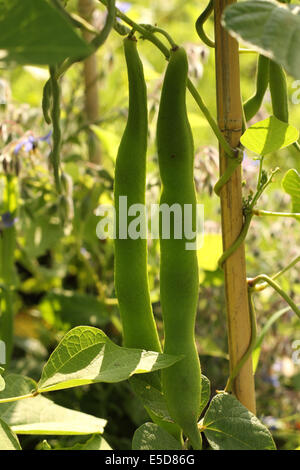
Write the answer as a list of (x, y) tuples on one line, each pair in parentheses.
[(131, 279), (179, 268), (278, 90), (252, 106)]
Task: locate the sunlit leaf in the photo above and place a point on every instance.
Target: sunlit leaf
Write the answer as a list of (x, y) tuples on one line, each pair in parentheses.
[(8, 439), (211, 251), (268, 136), (38, 415), (291, 185), (86, 355)]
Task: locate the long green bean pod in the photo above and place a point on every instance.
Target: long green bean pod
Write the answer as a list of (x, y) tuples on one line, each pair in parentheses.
[(278, 90), (178, 267), (279, 94), (131, 280), (253, 104), (55, 118)]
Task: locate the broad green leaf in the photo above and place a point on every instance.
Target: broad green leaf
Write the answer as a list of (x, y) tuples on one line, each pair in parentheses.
[(291, 185), (150, 436), (39, 415), (8, 439), (205, 392), (257, 349), (34, 32), (86, 355), (16, 386), (268, 136), (152, 398), (228, 425), (269, 27)]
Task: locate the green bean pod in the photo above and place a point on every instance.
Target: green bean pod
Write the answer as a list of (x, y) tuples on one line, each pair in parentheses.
[(55, 118), (278, 90), (178, 266), (252, 106), (131, 279), (279, 94)]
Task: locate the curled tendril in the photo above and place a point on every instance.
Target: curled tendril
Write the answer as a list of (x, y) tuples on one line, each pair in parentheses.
[(200, 24)]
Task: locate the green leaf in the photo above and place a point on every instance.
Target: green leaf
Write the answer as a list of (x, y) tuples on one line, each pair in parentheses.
[(291, 185), (67, 309), (96, 442), (257, 349), (150, 436), (269, 27), (16, 386), (205, 393), (152, 398), (86, 355), (34, 32), (39, 415), (268, 136), (228, 425), (8, 439)]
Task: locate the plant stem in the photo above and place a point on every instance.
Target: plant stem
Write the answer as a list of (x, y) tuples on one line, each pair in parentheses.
[(235, 245), (261, 188), (252, 343), (22, 397), (263, 277), (261, 213)]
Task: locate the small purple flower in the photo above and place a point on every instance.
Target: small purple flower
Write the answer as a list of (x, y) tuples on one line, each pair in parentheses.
[(123, 6), (7, 220), (47, 138), (29, 143), (271, 423), (271, 379)]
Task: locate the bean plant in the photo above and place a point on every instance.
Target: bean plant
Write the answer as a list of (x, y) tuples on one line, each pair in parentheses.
[(159, 362)]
